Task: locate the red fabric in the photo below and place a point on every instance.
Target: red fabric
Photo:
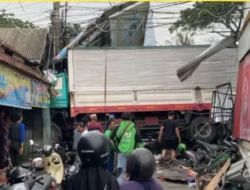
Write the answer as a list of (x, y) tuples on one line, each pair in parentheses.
[(95, 126)]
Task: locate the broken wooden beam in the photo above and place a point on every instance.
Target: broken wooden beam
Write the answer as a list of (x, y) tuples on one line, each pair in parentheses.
[(214, 182)]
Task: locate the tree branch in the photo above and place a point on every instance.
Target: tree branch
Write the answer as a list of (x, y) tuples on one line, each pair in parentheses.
[(241, 18), (235, 25), (228, 26), (219, 33)]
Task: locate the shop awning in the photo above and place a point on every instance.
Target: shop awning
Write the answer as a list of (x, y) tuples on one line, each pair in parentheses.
[(187, 70)]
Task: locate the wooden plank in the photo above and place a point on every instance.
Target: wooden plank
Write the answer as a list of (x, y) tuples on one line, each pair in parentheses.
[(214, 182)]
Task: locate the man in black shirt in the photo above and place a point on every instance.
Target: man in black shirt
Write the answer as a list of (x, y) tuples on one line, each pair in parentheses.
[(171, 135)]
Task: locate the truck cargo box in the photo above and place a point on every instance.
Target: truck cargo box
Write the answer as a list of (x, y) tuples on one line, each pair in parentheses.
[(144, 79)]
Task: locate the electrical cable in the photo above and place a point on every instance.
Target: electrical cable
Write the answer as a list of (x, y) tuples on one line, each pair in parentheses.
[(216, 16), (23, 10), (142, 19)]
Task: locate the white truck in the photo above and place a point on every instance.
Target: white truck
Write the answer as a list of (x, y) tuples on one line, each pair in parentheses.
[(143, 81)]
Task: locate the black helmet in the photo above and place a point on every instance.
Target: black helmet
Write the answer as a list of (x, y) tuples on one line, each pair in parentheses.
[(141, 164), (47, 150), (93, 149)]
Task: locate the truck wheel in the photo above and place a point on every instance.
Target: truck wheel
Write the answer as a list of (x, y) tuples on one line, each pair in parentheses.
[(55, 132), (201, 127)]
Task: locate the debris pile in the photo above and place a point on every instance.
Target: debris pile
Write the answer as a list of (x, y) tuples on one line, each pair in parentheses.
[(209, 167)]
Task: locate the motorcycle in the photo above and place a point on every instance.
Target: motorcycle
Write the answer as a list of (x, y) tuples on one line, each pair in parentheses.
[(31, 182), (207, 153), (52, 162)]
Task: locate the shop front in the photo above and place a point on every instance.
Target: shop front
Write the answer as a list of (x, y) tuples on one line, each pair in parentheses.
[(23, 94)]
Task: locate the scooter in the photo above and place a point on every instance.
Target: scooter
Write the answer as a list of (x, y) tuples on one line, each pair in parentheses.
[(52, 162), (32, 182)]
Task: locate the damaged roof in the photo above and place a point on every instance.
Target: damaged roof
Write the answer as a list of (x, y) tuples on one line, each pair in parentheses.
[(30, 43), (10, 61), (92, 31)]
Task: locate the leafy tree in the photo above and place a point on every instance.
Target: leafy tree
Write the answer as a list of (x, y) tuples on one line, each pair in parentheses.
[(184, 39), (71, 32), (8, 20), (209, 15)]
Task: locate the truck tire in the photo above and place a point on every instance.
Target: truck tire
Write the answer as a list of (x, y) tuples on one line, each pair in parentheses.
[(207, 133), (55, 132)]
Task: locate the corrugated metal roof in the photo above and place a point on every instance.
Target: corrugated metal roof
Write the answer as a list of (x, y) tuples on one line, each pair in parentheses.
[(188, 69), (30, 43)]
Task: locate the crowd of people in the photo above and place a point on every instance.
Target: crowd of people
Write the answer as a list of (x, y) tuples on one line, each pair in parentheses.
[(97, 153), (110, 157)]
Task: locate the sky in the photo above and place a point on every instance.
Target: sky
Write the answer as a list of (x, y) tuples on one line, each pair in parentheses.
[(39, 14)]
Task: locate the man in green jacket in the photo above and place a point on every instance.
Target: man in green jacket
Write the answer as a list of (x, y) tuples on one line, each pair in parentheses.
[(126, 144)]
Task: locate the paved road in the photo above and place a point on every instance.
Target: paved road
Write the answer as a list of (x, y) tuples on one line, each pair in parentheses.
[(171, 186), (174, 186)]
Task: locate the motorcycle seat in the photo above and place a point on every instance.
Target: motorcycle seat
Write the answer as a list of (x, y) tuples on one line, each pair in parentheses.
[(199, 155), (230, 144), (45, 182), (29, 166), (209, 147)]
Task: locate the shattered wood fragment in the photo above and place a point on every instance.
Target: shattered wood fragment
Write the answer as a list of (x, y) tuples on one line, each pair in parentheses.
[(214, 182), (203, 181)]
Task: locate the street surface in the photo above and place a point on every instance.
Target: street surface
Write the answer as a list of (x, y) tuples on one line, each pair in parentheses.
[(167, 185), (175, 186)]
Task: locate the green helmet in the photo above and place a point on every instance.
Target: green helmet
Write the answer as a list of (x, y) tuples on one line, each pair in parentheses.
[(182, 147)]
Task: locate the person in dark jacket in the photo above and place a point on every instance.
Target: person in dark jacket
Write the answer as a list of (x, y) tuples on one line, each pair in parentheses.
[(16, 140), (140, 169), (93, 151)]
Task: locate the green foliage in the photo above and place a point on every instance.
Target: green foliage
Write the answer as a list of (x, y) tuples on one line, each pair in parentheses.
[(72, 32), (8, 20), (184, 39), (204, 15)]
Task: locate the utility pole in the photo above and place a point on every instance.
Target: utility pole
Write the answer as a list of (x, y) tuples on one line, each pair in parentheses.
[(64, 25), (56, 27), (56, 34)]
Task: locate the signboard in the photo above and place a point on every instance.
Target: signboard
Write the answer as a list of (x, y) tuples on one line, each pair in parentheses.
[(15, 89), (40, 94)]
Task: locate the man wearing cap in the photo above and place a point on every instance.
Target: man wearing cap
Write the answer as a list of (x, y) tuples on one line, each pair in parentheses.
[(94, 125)]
